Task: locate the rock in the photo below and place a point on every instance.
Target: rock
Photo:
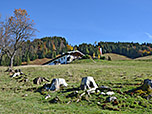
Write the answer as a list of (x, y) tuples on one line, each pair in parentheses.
[(115, 102), (147, 84), (18, 70), (55, 100), (98, 103), (15, 74), (107, 93), (102, 93), (25, 95), (88, 83), (109, 99), (56, 84), (48, 96), (39, 80), (9, 70), (110, 93), (104, 87), (73, 94)]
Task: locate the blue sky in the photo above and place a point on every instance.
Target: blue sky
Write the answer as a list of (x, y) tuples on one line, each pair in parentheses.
[(88, 20)]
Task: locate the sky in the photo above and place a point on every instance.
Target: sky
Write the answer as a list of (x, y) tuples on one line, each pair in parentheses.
[(87, 21)]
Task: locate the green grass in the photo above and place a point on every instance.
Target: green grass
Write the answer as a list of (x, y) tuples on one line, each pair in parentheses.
[(109, 73)]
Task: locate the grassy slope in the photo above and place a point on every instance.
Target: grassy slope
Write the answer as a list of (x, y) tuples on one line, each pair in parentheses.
[(44, 60), (144, 58), (109, 73), (116, 56), (37, 61)]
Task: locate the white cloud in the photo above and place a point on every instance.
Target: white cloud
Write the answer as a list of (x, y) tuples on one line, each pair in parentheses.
[(149, 35)]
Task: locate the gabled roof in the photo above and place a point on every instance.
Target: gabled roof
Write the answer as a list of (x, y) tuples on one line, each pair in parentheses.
[(74, 53)]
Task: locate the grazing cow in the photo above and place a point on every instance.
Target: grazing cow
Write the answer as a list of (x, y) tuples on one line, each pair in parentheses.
[(56, 84), (88, 83)]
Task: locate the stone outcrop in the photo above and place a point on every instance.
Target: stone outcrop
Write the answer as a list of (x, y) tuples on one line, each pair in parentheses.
[(88, 83), (56, 84)]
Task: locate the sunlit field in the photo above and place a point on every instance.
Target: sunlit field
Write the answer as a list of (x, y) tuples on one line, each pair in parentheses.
[(17, 96)]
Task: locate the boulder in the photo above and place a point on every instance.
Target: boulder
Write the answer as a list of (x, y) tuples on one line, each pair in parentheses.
[(110, 93), (48, 96), (39, 80), (9, 70), (56, 84), (18, 70), (15, 74), (88, 83), (109, 99), (107, 93), (102, 93), (147, 85)]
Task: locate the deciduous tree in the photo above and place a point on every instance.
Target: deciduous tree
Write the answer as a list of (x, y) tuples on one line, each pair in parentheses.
[(14, 32)]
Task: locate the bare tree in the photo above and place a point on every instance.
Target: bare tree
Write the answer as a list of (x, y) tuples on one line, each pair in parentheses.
[(14, 32), (4, 37)]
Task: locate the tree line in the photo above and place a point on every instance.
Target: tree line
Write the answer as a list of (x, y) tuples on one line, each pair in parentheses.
[(129, 49)]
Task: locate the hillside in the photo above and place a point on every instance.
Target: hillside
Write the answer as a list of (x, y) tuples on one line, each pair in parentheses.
[(37, 61), (111, 55), (20, 95), (144, 58), (116, 56)]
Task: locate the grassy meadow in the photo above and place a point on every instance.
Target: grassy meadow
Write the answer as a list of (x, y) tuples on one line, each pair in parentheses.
[(23, 97)]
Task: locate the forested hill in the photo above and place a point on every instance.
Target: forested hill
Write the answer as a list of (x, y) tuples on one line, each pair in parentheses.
[(131, 50), (50, 47)]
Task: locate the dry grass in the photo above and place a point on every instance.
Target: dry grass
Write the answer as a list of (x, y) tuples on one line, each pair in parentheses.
[(37, 61), (116, 56), (144, 58)]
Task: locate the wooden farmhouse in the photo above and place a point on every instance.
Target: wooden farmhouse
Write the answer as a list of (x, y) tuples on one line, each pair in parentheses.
[(66, 58)]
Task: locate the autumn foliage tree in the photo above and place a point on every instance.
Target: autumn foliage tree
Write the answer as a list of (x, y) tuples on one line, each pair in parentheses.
[(14, 32)]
